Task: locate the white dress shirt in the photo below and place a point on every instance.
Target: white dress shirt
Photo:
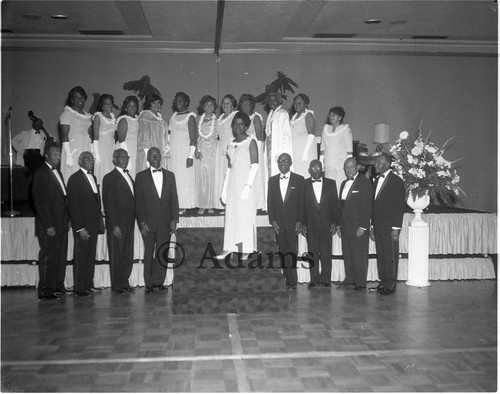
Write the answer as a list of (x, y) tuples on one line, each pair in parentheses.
[(317, 187), (284, 180), (380, 182), (90, 177), (157, 179), (347, 187), (127, 177), (56, 173)]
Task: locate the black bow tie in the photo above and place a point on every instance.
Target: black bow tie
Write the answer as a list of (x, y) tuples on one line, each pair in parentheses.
[(316, 180), (283, 177), (37, 132), (350, 179), (89, 172), (125, 171), (381, 176), (156, 170), (53, 168)]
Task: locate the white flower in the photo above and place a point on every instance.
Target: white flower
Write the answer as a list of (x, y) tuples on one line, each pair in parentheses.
[(430, 149), (404, 135), (455, 179), (417, 150)]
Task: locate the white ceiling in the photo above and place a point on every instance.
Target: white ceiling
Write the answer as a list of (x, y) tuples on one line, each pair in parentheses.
[(458, 26)]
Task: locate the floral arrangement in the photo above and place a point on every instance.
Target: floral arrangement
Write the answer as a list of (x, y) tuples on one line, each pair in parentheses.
[(423, 168)]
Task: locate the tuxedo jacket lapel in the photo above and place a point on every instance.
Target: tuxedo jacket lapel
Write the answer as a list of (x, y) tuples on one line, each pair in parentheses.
[(56, 181)]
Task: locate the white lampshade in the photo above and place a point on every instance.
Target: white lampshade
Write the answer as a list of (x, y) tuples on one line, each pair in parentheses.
[(381, 133)]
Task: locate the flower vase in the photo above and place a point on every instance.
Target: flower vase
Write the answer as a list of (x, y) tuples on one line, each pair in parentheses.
[(418, 204)]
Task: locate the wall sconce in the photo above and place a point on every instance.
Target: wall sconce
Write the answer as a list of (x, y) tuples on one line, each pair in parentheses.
[(381, 135)]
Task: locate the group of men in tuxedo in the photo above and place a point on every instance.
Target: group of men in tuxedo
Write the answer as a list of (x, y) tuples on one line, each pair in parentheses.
[(151, 199), (360, 211)]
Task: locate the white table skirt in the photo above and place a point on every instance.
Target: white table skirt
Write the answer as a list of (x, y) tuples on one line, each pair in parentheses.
[(459, 233)]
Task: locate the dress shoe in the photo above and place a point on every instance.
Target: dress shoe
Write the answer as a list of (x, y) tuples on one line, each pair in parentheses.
[(95, 289), (344, 284), (149, 290), (310, 285), (326, 285), (376, 288), (59, 292), (291, 287), (82, 293), (161, 287), (121, 291), (359, 288), (129, 289), (385, 292), (49, 297)]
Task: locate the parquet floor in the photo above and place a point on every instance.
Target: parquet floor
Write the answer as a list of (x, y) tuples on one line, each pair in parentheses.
[(440, 338)]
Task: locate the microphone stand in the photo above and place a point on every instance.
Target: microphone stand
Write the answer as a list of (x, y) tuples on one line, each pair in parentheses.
[(10, 213)]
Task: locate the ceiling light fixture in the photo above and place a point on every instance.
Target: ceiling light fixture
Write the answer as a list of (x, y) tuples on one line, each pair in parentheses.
[(59, 16), (372, 21)]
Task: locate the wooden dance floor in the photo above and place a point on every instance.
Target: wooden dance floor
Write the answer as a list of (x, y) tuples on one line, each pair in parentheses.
[(442, 338)]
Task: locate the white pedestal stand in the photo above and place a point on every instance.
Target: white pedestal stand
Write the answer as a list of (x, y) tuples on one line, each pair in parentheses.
[(418, 247)]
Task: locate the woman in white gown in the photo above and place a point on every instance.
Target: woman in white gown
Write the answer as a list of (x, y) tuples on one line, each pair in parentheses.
[(152, 132), (75, 131), (104, 126), (336, 145), (223, 126), (246, 105), (303, 135), (127, 129), (205, 155), (183, 132), (240, 230)]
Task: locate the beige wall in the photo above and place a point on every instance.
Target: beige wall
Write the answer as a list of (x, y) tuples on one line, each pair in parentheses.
[(454, 96)]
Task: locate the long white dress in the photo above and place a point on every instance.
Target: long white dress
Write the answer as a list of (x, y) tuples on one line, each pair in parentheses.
[(260, 183), (336, 144), (107, 127), (240, 230), (299, 140), (179, 142), (131, 141), (78, 136), (205, 167), (225, 133)]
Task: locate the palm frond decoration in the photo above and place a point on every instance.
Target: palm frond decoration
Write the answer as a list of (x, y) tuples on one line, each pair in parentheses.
[(141, 87), (93, 106), (282, 84)]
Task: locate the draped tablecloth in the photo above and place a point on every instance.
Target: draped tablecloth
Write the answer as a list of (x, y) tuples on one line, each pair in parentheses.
[(453, 233), (457, 233)]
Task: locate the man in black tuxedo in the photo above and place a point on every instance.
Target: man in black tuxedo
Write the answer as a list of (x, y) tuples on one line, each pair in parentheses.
[(157, 209), (119, 205), (320, 223), (285, 205), (356, 197), (51, 225), (86, 219), (387, 219)]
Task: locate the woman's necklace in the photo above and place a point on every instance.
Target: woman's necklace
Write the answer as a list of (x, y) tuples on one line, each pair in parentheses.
[(212, 126), (221, 120)]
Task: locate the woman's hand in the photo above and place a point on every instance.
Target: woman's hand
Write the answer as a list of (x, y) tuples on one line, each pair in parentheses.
[(245, 193)]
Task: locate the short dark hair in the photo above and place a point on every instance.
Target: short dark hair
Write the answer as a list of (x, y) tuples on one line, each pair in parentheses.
[(76, 89), (303, 96), (186, 98), (243, 116), (150, 99), (247, 97), (103, 97), (337, 111), (205, 99), (126, 102), (387, 157)]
